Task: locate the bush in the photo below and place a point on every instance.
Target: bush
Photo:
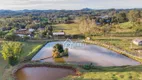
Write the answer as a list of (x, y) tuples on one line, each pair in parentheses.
[(87, 67), (56, 54), (26, 38), (59, 48), (58, 51), (13, 60), (66, 52), (11, 36)]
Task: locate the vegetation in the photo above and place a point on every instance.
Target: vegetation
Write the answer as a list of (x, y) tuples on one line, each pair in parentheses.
[(69, 29), (117, 27), (27, 48), (11, 51), (109, 73), (124, 43), (58, 51)]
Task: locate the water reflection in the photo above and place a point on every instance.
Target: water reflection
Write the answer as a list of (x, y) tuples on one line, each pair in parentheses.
[(85, 54), (59, 60), (43, 73)]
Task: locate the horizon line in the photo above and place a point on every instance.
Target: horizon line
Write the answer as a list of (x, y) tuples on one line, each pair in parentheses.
[(69, 9)]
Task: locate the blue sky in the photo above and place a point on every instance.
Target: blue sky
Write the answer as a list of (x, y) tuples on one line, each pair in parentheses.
[(69, 4)]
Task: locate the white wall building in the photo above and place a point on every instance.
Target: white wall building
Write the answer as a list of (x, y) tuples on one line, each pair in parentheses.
[(137, 42)]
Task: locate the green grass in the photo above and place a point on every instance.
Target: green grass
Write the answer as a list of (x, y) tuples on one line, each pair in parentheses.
[(124, 27), (28, 47), (123, 43), (110, 73), (67, 28)]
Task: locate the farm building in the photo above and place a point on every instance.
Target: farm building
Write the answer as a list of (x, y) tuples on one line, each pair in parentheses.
[(59, 35), (23, 32), (137, 42)]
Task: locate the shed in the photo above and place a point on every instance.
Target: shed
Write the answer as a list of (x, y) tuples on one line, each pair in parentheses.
[(59, 35), (137, 42)]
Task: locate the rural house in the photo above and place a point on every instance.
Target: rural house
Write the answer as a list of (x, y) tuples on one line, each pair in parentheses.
[(59, 35), (137, 42), (23, 32)]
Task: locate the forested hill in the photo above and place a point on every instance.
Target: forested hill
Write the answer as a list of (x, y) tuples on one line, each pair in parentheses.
[(7, 13)]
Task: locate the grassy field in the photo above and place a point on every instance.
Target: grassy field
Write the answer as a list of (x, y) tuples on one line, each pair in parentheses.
[(28, 47), (124, 27), (120, 42), (110, 73), (67, 28)]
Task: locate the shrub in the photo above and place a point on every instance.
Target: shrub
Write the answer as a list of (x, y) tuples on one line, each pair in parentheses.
[(11, 36), (58, 51), (13, 60), (55, 54), (66, 52), (59, 48), (87, 67), (26, 38)]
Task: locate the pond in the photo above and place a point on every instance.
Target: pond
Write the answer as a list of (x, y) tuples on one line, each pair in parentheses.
[(84, 54), (43, 73)]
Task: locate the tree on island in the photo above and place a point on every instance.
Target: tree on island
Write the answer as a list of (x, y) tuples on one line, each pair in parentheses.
[(58, 51)]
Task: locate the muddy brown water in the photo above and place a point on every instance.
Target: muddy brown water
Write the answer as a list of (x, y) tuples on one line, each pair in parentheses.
[(43, 73)]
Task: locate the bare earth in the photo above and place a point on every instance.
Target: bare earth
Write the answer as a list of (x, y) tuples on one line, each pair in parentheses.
[(85, 55)]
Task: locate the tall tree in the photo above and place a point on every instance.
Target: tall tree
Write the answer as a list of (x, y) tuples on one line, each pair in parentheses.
[(11, 51), (133, 15), (86, 25), (122, 17)]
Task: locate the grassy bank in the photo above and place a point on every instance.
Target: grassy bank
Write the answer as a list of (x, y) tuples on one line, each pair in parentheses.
[(122, 43), (28, 47), (110, 73)]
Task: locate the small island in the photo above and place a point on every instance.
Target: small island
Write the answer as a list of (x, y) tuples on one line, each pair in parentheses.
[(58, 51)]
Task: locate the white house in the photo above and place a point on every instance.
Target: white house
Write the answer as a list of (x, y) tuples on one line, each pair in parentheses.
[(31, 30), (137, 42), (59, 35), (139, 51)]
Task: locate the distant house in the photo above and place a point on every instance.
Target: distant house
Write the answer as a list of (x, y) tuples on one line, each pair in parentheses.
[(41, 29), (137, 42), (139, 51), (31, 30), (104, 16), (23, 32), (59, 35)]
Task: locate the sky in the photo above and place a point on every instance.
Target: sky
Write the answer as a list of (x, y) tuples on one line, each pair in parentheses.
[(68, 4)]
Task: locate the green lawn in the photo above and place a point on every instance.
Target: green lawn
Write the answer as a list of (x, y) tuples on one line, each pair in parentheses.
[(110, 73), (28, 47), (68, 28)]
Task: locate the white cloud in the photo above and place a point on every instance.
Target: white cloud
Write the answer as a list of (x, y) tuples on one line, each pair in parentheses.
[(68, 4)]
